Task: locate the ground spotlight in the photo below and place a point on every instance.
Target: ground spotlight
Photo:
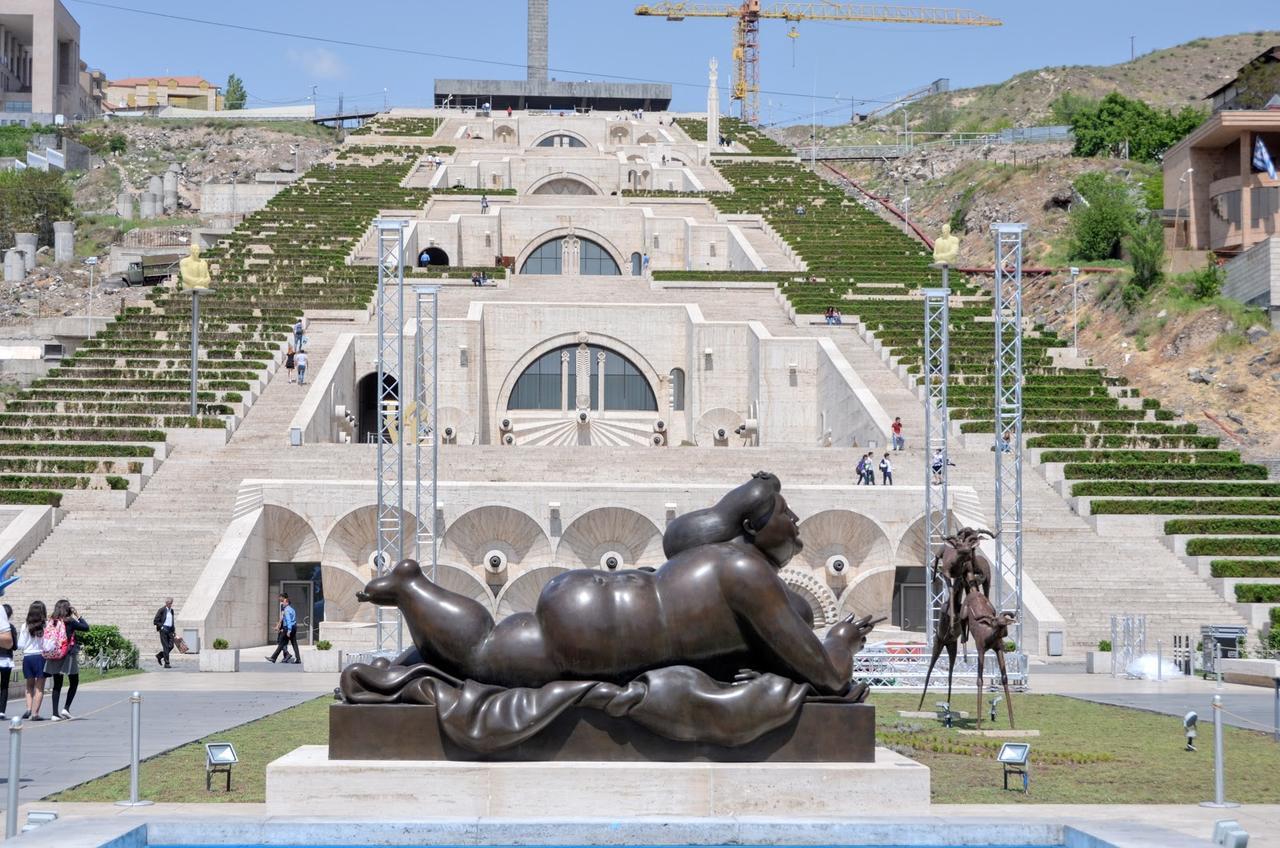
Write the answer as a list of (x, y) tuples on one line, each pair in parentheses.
[(1189, 722)]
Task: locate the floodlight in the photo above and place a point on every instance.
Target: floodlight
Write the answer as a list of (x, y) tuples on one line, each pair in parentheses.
[(219, 758), (1015, 758), (1189, 722), (945, 715)]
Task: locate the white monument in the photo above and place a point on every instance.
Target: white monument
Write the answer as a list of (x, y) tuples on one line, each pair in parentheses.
[(713, 105)]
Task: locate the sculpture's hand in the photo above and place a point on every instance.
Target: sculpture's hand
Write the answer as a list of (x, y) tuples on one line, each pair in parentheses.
[(362, 597), (745, 676), (851, 632), (5, 580)]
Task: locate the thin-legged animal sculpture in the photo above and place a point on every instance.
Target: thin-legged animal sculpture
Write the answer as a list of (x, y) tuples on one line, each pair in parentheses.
[(989, 630), (947, 636)]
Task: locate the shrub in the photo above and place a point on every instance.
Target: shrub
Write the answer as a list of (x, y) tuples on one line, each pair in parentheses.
[(1226, 526), (221, 644), (1244, 568), (1010, 646), (324, 645), (117, 482), (1239, 547), (1258, 593), (1146, 251), (1161, 471), (1182, 506), (1104, 644), (104, 646), (1116, 123), (1102, 220), (1206, 283)]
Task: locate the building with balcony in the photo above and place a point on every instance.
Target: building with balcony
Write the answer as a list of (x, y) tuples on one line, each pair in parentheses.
[(155, 93)]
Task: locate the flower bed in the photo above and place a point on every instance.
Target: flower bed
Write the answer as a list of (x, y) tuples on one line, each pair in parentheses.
[(1245, 568)]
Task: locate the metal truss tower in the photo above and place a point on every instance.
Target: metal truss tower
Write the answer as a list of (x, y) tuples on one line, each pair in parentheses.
[(1008, 422), (937, 353), (391, 447), (426, 441)]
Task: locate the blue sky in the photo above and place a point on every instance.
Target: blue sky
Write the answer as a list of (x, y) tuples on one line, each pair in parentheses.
[(594, 38)]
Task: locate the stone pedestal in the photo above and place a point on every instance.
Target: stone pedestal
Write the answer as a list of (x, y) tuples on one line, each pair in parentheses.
[(27, 243), (155, 185), (124, 205), (64, 241), (307, 783), (147, 205), (15, 269), (170, 195)]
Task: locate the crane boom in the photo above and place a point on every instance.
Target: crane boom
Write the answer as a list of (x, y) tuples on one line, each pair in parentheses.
[(749, 13)]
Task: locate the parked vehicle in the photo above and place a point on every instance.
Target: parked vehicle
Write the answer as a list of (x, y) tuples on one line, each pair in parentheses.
[(149, 270)]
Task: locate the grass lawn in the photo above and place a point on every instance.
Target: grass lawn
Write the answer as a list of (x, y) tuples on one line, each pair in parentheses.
[(1087, 754)]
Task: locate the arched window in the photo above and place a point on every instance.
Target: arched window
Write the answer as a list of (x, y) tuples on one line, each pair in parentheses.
[(561, 140), (556, 256), (551, 382), (677, 390)]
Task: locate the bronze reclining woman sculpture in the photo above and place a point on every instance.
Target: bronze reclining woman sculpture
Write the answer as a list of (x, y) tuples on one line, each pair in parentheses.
[(715, 616)]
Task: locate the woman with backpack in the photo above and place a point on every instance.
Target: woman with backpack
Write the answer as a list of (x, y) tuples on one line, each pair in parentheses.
[(30, 639), (63, 626), (6, 663)]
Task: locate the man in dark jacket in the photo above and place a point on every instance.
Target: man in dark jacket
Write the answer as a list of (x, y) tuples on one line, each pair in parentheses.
[(164, 622)]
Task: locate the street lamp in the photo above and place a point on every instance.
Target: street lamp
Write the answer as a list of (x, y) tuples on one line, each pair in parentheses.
[(92, 262), (1075, 313), (1178, 212)]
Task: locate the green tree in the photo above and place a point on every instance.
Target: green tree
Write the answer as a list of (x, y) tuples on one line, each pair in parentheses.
[(1068, 104), (1206, 283), (235, 95), (1146, 254), (1258, 82), (1116, 122), (30, 201), (1101, 219)]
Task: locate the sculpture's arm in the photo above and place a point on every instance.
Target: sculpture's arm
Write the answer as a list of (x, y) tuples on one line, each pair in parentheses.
[(760, 599)]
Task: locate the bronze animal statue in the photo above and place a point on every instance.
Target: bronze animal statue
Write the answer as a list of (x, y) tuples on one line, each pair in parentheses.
[(947, 636), (989, 630), (716, 609)]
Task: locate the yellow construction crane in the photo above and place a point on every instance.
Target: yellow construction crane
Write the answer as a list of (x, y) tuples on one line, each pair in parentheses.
[(749, 13)]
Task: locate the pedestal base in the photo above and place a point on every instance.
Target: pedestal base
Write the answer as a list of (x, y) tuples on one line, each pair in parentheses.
[(306, 782)]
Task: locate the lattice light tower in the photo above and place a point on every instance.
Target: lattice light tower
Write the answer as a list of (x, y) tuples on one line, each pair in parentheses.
[(937, 354), (426, 440), (1007, 581), (391, 458)]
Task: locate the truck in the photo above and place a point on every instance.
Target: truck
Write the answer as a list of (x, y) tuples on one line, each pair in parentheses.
[(149, 270)]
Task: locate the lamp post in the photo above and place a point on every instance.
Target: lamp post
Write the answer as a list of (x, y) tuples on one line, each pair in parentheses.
[(92, 262), (293, 148), (1178, 212), (1075, 313)]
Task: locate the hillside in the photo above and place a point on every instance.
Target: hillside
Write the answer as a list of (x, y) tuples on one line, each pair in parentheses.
[(1170, 78)]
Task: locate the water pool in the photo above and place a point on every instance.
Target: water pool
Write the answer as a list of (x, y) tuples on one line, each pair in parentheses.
[(352, 845)]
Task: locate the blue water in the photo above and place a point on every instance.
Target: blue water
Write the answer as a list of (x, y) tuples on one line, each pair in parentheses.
[(352, 845)]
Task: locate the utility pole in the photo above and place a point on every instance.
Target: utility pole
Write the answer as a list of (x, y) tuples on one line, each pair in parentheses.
[(1131, 53), (384, 100), (92, 262)]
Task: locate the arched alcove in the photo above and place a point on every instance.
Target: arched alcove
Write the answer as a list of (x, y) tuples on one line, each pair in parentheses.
[(521, 594), (604, 530), (475, 533)]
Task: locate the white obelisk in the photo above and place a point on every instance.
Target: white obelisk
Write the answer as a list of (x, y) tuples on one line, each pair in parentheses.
[(713, 106)]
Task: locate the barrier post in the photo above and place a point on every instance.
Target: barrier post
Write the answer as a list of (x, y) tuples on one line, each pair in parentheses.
[(15, 777), (135, 754), (1219, 778)]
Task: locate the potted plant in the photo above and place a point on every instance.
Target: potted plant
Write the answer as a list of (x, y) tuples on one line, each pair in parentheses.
[(1099, 661), (321, 657), (220, 657)]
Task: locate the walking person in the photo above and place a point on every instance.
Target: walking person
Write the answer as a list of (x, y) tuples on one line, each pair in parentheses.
[(936, 465), (68, 664), (886, 471), (898, 442), (164, 623), (298, 329), (869, 464), (861, 470), (484, 204), (30, 639), (6, 662), (290, 362), (301, 361), (644, 264), (287, 631)]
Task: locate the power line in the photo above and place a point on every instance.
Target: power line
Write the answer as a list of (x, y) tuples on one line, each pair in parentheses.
[(430, 55)]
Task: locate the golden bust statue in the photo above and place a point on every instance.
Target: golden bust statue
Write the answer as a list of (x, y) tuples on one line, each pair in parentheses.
[(194, 270), (946, 248)]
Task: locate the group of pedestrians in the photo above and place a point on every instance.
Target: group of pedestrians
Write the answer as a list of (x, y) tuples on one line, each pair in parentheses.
[(867, 466), (296, 356), (49, 649)]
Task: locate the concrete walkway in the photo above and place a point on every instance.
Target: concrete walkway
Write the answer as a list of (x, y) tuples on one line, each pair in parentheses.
[(178, 706)]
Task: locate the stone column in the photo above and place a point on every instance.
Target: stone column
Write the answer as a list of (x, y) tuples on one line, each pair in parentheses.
[(155, 185), (170, 191), (26, 242), (147, 205), (713, 106), (124, 205), (15, 269), (1246, 190), (537, 60), (64, 241)]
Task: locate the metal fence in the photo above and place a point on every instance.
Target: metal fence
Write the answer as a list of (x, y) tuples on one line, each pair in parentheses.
[(905, 667)]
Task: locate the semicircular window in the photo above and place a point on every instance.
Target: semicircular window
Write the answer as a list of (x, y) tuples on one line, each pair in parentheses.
[(551, 382), (557, 254), (561, 140)]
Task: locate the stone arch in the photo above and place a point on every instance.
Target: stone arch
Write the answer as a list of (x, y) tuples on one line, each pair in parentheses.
[(857, 538), (870, 593), (495, 527), (552, 133), (639, 360), (606, 529), (505, 134), (647, 138), (619, 133), (911, 548), (566, 183), (521, 594), (819, 597), (559, 232), (289, 536)]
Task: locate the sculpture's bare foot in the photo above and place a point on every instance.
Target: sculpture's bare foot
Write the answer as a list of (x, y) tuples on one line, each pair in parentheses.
[(746, 675)]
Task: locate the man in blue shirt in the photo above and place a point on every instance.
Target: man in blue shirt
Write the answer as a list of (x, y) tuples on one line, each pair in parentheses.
[(286, 632)]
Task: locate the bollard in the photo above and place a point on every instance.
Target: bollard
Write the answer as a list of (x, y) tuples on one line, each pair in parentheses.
[(1219, 778), (1277, 710), (1217, 664), (135, 756), (15, 776), (1159, 660)]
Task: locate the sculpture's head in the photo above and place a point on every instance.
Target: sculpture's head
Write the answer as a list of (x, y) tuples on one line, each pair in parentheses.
[(946, 230), (385, 590), (755, 512), (195, 251)]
